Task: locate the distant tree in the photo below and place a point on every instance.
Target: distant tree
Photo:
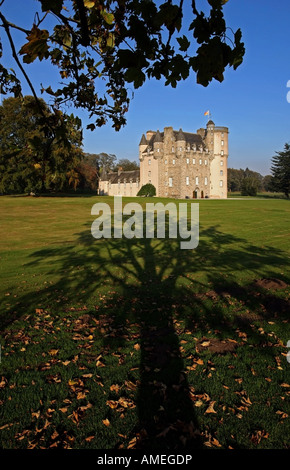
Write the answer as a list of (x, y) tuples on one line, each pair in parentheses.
[(105, 162), (32, 158), (281, 171), (250, 186), (268, 183), (236, 179), (147, 190), (120, 44), (126, 165)]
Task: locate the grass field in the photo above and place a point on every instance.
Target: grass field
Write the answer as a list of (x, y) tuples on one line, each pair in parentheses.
[(137, 344)]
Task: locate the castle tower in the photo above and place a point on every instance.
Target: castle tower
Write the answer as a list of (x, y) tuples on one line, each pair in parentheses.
[(217, 142)]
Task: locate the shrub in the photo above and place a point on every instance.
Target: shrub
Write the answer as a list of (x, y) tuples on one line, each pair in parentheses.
[(148, 190)]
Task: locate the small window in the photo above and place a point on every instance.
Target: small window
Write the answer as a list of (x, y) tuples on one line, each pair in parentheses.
[(165, 162), (200, 161), (205, 181), (180, 148), (173, 162), (222, 173), (221, 183), (172, 149), (222, 134), (187, 180), (149, 174), (170, 182), (196, 180), (222, 163), (149, 162), (205, 162), (193, 161), (222, 142), (187, 160), (222, 152)]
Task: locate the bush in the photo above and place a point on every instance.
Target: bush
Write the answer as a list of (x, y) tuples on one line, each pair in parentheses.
[(249, 186), (148, 190)]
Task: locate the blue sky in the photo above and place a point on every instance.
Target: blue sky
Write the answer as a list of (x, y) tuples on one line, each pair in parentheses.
[(251, 101)]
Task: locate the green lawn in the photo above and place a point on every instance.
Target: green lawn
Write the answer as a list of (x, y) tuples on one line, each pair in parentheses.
[(138, 344)]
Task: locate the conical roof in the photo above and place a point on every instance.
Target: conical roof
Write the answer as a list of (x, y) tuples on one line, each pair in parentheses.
[(143, 140), (158, 137), (180, 135)]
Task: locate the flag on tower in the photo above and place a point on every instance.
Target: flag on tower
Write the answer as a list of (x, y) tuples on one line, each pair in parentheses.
[(206, 113)]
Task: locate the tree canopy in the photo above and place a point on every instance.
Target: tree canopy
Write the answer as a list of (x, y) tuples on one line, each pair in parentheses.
[(31, 157), (102, 48)]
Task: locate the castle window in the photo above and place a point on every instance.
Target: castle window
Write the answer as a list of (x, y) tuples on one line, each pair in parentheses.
[(180, 148), (221, 173), (188, 148), (205, 181), (173, 162), (149, 162), (187, 160), (222, 163), (205, 162), (222, 134), (158, 150), (170, 182), (165, 162), (149, 174), (196, 180), (222, 142), (200, 161), (222, 152), (187, 180), (193, 161), (221, 183), (172, 149)]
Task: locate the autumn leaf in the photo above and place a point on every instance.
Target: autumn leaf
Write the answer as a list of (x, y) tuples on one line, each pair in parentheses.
[(106, 422), (210, 408), (198, 403), (53, 352)]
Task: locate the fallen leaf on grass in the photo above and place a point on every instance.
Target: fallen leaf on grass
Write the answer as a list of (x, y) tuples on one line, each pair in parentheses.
[(285, 385), (198, 403), (106, 422), (53, 352), (282, 414), (210, 408)]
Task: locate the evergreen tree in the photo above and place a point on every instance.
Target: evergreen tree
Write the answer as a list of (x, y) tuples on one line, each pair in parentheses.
[(281, 171)]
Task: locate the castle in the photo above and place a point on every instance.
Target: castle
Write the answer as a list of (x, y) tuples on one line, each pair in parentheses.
[(179, 164)]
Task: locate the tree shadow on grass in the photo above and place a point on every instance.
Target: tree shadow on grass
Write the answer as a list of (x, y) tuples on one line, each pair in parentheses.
[(154, 284)]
